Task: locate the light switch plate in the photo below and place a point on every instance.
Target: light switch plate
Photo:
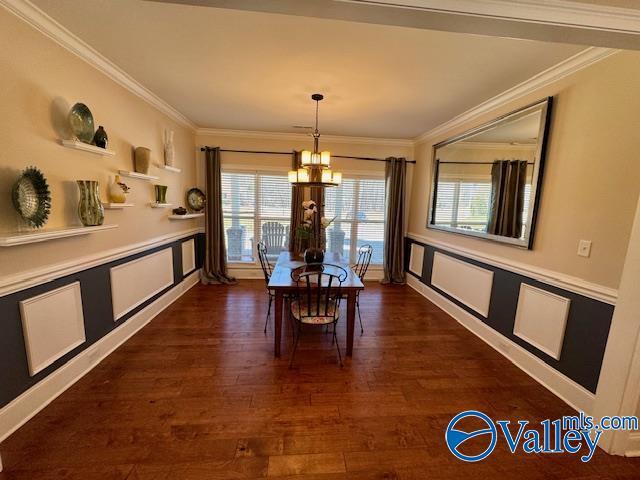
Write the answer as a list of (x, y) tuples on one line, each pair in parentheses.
[(584, 248)]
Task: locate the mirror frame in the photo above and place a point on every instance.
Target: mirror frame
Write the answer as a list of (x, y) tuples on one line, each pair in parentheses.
[(536, 182)]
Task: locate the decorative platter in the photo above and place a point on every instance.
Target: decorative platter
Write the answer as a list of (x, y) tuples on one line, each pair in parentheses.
[(31, 197), (196, 199), (81, 123)]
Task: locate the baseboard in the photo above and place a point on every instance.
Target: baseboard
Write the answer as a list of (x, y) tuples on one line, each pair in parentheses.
[(27, 405), (569, 391)]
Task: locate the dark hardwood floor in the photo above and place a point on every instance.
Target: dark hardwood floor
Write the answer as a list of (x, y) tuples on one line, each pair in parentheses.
[(197, 394)]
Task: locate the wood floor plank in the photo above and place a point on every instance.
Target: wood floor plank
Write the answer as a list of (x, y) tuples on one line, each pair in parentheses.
[(197, 394)]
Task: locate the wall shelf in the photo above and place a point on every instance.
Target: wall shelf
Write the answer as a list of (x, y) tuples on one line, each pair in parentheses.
[(186, 216), (85, 147), (161, 205), (169, 168), (116, 206), (23, 238), (140, 176)]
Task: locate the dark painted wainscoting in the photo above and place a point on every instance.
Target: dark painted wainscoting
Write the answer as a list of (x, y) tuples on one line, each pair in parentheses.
[(98, 315), (587, 326)]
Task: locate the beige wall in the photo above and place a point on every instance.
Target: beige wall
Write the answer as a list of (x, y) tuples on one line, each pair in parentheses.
[(39, 82), (591, 179)]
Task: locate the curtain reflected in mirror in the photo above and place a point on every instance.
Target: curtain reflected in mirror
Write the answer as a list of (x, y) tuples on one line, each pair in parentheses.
[(486, 180)]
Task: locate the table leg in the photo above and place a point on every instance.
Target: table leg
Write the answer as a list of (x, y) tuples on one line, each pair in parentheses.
[(277, 321), (351, 319)]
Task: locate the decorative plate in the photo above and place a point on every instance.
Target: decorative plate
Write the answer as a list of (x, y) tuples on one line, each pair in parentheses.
[(31, 197), (81, 123), (195, 199)]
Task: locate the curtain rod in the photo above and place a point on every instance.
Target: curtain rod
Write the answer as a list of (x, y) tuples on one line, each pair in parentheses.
[(266, 152), (474, 163)]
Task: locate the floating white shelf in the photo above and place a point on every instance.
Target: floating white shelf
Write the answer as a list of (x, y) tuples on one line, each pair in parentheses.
[(141, 176), (22, 238), (186, 216), (116, 206), (78, 145), (161, 205), (168, 167)]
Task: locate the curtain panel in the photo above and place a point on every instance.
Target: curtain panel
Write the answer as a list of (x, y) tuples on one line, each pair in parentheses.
[(508, 179), (297, 197), (395, 179), (214, 269)]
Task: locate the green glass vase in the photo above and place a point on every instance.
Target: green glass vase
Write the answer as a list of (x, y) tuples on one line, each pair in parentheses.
[(90, 209)]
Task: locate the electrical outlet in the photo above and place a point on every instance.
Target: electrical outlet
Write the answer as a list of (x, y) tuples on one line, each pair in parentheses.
[(584, 248)]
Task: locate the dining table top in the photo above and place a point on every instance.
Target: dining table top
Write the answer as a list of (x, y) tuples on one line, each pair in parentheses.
[(287, 262)]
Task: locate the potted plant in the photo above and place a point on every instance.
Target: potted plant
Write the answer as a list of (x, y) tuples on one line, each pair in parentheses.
[(310, 232)]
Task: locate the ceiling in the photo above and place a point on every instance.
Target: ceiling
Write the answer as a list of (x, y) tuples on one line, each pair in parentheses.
[(247, 70)]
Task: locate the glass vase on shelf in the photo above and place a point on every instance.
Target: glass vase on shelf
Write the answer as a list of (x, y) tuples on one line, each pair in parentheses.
[(90, 209)]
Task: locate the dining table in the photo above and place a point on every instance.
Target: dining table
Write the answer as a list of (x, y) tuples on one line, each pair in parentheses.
[(282, 283)]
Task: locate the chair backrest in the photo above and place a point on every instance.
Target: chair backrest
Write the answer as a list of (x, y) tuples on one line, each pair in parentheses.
[(273, 235), (264, 263), (319, 288), (364, 259)]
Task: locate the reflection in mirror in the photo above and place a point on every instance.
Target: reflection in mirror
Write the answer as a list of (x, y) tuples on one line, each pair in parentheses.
[(486, 180)]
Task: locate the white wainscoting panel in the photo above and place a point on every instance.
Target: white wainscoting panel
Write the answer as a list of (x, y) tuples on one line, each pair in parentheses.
[(416, 259), (463, 281), (53, 325), (134, 282), (541, 318), (188, 256)]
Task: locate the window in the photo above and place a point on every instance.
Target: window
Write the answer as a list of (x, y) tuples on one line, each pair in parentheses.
[(465, 204), (256, 206), (358, 207)]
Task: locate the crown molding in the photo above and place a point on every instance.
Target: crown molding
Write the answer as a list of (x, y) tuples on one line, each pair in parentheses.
[(220, 132), (557, 72), (548, 12), (46, 25)]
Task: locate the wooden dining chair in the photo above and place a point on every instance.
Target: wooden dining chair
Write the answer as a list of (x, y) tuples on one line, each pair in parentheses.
[(267, 271), (365, 252), (316, 300)]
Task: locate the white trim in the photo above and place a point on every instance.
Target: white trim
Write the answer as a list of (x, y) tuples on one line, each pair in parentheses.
[(24, 407), (34, 319), (34, 277), (463, 281), (534, 315), (557, 72), (36, 236), (557, 279), (221, 132), (129, 278), (547, 12), (46, 25), (575, 395), (85, 147)]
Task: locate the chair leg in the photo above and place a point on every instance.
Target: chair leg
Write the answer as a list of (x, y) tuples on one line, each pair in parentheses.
[(335, 339), (268, 314), (295, 347), (359, 316)]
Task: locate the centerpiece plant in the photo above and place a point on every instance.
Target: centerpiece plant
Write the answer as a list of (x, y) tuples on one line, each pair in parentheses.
[(310, 232)]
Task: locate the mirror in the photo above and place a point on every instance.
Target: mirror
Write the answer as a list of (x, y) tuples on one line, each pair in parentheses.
[(486, 181)]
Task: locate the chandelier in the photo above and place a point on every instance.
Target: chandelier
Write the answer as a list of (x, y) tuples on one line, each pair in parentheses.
[(315, 169)]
